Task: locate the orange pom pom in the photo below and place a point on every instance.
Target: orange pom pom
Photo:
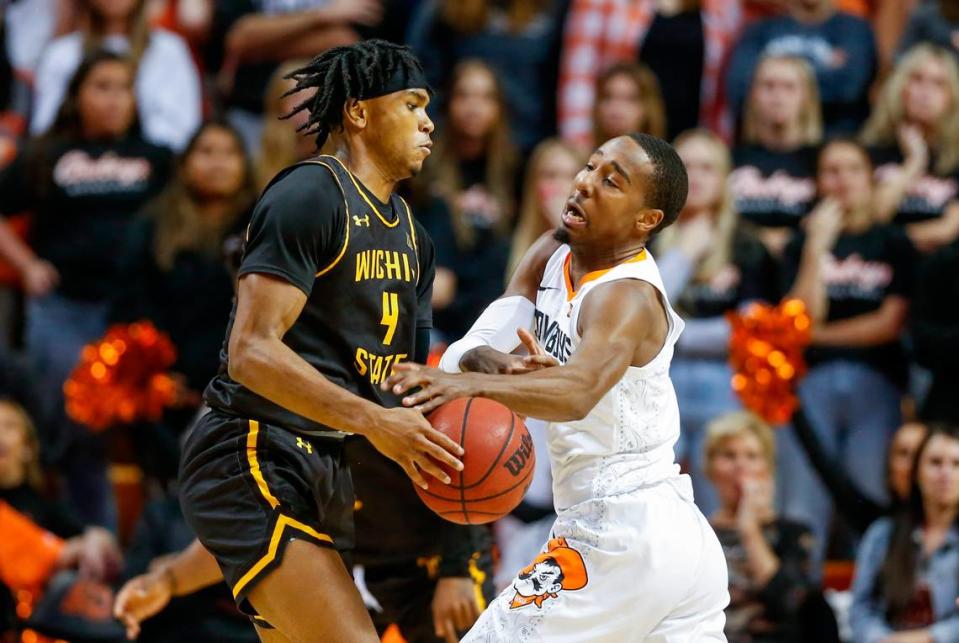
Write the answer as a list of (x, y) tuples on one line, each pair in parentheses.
[(122, 378), (766, 352)]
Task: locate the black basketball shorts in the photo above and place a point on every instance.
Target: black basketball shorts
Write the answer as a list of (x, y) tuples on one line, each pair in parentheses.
[(249, 488)]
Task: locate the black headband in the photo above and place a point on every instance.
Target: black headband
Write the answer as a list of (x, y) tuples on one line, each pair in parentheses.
[(405, 77)]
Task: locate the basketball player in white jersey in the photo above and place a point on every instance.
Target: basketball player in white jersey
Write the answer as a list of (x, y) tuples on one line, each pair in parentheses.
[(630, 557)]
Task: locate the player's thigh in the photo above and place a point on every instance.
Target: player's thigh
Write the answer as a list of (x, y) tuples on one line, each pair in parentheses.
[(628, 563), (311, 597)]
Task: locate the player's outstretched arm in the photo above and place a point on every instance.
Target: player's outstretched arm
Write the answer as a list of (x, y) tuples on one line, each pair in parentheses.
[(266, 309), (487, 346), (147, 594), (621, 323)]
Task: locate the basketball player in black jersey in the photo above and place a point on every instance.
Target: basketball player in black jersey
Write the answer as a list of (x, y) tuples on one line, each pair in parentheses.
[(334, 288)]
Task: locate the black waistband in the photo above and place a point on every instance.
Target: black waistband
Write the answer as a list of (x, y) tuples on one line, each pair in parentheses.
[(331, 435)]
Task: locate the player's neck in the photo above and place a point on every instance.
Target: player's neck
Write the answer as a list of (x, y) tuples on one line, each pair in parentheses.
[(587, 260), (358, 161)]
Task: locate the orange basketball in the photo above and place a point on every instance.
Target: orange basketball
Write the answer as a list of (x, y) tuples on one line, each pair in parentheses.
[(498, 462)]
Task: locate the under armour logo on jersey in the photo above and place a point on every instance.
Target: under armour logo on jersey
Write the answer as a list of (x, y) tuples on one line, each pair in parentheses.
[(409, 242), (364, 221), (303, 444)]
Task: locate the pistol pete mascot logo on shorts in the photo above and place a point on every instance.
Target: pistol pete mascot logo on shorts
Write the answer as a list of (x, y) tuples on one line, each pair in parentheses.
[(559, 567)]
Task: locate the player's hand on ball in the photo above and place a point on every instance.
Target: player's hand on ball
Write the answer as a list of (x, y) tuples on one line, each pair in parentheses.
[(406, 437), (454, 607), (436, 387), (142, 597)]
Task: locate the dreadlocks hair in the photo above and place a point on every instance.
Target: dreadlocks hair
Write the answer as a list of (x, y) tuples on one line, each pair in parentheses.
[(341, 73)]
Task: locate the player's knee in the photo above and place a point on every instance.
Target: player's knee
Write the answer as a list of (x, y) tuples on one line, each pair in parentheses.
[(311, 597)]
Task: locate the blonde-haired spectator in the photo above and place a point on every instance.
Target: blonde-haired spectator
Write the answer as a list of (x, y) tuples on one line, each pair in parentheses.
[(772, 596), (773, 183), (839, 46), (783, 107), (917, 113)]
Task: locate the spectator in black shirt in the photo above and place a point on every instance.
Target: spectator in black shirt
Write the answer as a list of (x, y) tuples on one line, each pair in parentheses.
[(711, 264), (83, 181), (922, 94), (770, 583), (472, 173), (774, 182), (855, 277), (627, 100), (174, 272)]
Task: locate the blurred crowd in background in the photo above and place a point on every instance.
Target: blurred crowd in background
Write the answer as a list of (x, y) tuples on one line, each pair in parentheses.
[(821, 139)]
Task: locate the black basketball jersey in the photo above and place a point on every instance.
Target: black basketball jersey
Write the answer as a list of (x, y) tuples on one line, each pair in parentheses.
[(366, 268)]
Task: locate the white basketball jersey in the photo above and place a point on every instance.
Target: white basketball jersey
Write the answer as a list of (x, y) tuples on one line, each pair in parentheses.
[(626, 441)]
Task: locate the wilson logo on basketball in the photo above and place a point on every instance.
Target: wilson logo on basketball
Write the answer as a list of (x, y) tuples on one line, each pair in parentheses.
[(518, 460)]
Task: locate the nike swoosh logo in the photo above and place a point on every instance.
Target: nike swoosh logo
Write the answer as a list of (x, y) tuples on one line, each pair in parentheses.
[(542, 288)]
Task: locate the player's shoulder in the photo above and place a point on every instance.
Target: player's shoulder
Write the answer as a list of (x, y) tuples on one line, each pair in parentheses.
[(305, 176), (532, 266), (307, 187), (627, 292), (627, 298)]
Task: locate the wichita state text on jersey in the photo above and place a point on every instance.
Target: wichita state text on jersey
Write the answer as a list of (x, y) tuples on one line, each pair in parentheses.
[(366, 268)]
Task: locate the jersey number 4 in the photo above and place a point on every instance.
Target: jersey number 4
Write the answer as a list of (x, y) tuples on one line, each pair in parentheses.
[(391, 315)]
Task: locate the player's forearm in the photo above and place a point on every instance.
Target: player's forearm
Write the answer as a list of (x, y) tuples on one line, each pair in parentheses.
[(272, 369), (484, 359), (192, 570), (559, 394)]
